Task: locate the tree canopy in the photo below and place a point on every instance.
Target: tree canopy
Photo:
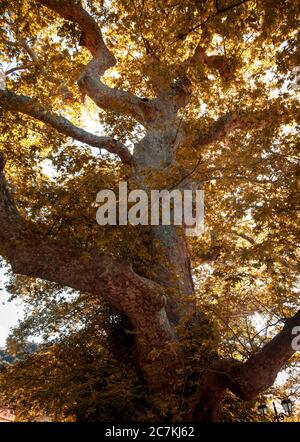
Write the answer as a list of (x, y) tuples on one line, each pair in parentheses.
[(164, 94)]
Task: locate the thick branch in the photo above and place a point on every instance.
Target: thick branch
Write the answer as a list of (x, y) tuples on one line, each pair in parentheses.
[(246, 119), (246, 380), (28, 106), (109, 99), (260, 371), (219, 130), (31, 254), (92, 37), (105, 97), (141, 299)]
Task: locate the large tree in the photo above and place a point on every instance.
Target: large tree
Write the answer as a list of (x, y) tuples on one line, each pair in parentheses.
[(190, 94)]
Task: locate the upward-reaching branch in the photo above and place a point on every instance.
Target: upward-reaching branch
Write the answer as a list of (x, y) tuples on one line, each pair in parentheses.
[(92, 36), (245, 119), (260, 371), (246, 380), (105, 97)]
